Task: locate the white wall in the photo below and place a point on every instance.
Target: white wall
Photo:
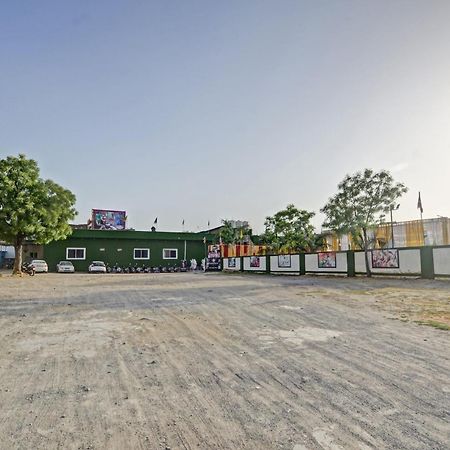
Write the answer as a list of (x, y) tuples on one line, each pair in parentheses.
[(409, 260), (262, 264), (238, 264), (295, 264), (441, 258), (312, 263)]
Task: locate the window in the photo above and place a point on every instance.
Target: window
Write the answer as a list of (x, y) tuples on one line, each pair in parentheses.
[(141, 253), (75, 253), (170, 253), (33, 255)]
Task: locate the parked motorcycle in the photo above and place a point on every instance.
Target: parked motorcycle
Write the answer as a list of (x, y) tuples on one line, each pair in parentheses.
[(28, 268)]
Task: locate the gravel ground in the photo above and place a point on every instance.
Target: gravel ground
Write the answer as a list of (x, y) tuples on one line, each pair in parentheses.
[(216, 361)]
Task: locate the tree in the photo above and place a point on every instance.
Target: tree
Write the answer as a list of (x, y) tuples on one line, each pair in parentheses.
[(230, 234), (361, 201), (30, 207), (227, 233), (289, 228)]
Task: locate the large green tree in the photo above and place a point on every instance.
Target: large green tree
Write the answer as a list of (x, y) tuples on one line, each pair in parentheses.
[(361, 201), (30, 207), (227, 232), (290, 228), (230, 234)]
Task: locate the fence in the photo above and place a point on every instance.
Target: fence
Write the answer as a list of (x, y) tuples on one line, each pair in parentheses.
[(426, 262)]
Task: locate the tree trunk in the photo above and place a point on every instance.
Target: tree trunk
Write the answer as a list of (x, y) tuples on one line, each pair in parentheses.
[(366, 254), (17, 270)]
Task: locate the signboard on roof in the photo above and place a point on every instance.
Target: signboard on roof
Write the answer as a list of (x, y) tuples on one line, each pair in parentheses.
[(106, 219)]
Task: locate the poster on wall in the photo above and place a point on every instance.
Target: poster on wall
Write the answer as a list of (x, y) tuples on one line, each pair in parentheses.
[(327, 260), (254, 261), (284, 261), (232, 263), (385, 259), (213, 261), (105, 219)]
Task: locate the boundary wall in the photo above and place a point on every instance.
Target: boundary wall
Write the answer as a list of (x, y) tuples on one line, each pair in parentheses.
[(425, 262)]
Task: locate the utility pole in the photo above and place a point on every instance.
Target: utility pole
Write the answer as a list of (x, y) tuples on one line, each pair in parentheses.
[(392, 208)]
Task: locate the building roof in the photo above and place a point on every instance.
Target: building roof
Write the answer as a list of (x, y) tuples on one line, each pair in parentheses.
[(133, 234)]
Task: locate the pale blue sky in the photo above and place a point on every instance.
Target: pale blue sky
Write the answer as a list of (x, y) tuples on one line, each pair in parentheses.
[(205, 110)]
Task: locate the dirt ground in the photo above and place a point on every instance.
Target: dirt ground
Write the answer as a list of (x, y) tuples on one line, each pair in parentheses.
[(216, 361)]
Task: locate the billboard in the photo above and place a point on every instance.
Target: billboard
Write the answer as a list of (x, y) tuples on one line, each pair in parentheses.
[(105, 219), (213, 261)]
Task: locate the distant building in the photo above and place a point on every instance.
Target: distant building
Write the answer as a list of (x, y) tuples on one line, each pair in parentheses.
[(413, 233)]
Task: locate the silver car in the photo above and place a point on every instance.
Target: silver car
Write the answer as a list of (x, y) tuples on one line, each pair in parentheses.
[(40, 266), (97, 267), (65, 267)]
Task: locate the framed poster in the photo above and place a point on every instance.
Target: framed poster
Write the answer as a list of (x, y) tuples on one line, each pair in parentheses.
[(385, 259), (284, 261), (254, 261), (231, 263), (213, 261), (326, 260)]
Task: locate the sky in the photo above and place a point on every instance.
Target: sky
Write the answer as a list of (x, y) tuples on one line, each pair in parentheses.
[(208, 110)]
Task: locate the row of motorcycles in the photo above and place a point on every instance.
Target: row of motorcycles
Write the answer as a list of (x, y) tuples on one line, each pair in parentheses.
[(143, 269)]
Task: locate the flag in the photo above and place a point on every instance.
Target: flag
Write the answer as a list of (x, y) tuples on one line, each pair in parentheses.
[(419, 204), (182, 223), (208, 223), (156, 221)]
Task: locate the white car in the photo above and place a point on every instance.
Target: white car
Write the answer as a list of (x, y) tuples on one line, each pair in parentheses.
[(97, 266), (40, 266), (65, 266)]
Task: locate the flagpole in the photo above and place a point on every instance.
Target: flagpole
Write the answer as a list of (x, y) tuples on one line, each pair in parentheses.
[(420, 207)]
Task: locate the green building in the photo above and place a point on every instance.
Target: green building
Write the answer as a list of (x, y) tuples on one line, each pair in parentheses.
[(152, 248)]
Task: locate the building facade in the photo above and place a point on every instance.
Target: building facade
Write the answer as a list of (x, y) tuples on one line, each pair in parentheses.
[(127, 247)]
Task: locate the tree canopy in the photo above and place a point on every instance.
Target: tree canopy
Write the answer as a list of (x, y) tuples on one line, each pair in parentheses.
[(232, 235), (289, 229), (360, 203), (30, 207)]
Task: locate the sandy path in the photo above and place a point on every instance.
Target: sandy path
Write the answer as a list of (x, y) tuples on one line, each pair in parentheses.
[(186, 361)]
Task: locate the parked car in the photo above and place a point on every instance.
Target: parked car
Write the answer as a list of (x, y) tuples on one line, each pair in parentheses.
[(97, 266), (40, 266), (65, 266)]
